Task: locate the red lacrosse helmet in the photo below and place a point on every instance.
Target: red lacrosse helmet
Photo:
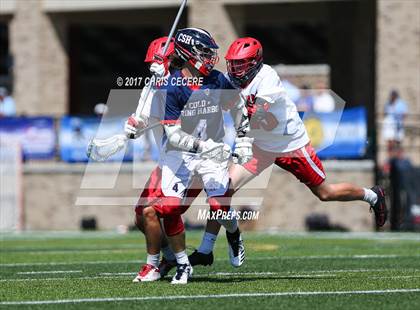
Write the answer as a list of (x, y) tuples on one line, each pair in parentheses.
[(155, 51), (244, 59)]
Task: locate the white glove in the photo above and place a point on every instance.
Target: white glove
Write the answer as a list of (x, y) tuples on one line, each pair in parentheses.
[(243, 150), (218, 152), (133, 126), (157, 69)]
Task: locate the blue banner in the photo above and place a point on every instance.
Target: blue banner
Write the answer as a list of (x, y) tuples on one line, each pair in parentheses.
[(36, 135), (76, 132), (338, 135)]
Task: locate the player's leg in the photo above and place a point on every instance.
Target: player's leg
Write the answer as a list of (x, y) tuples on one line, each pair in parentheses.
[(176, 176), (169, 260), (230, 223), (307, 167), (153, 233), (239, 176), (149, 271), (174, 228), (151, 189), (375, 196), (204, 254), (216, 183)]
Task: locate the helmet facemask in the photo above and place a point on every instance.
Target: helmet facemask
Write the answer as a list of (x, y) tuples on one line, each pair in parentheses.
[(204, 58), (242, 71)]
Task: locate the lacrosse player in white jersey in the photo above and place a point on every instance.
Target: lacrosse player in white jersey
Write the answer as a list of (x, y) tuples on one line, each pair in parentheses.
[(278, 136)]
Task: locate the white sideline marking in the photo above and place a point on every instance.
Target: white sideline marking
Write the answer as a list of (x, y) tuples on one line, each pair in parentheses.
[(226, 274), (110, 275), (394, 277), (50, 271), (362, 256), (99, 262), (59, 279), (289, 274), (357, 256), (174, 297)]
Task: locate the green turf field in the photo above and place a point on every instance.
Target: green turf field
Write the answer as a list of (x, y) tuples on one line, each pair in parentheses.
[(290, 271)]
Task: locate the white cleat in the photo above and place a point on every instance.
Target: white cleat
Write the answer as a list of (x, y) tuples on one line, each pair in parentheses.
[(183, 273), (236, 248), (147, 273)]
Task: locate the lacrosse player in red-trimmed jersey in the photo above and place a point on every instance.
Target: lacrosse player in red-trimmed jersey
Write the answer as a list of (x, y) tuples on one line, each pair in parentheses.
[(193, 141), (199, 50), (277, 136), (145, 116)]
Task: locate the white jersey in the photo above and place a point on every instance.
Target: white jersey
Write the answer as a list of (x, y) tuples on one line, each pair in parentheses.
[(290, 133), (144, 109)]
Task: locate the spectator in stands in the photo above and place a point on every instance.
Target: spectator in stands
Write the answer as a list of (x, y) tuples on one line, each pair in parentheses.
[(306, 100), (323, 101), (291, 90), (393, 125), (7, 104)]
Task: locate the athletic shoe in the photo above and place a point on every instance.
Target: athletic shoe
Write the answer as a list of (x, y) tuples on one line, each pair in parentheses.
[(236, 248), (165, 266), (379, 208), (183, 273), (147, 273), (198, 258)]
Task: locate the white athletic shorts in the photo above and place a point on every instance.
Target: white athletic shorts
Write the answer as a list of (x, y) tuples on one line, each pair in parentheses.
[(178, 168)]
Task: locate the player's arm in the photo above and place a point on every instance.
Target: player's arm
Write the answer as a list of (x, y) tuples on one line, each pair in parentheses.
[(243, 144), (186, 142), (271, 96), (140, 120), (236, 104), (180, 139)]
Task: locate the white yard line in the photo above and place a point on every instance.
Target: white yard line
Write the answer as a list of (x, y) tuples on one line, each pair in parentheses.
[(361, 256), (221, 274), (99, 251), (393, 277), (214, 296), (99, 262), (60, 279), (357, 256), (289, 274), (50, 271)]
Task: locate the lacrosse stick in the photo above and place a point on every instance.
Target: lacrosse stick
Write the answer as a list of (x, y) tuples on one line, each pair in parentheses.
[(218, 154), (102, 149)]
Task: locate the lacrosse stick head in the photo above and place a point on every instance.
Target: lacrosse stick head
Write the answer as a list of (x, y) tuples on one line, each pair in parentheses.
[(102, 149)]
